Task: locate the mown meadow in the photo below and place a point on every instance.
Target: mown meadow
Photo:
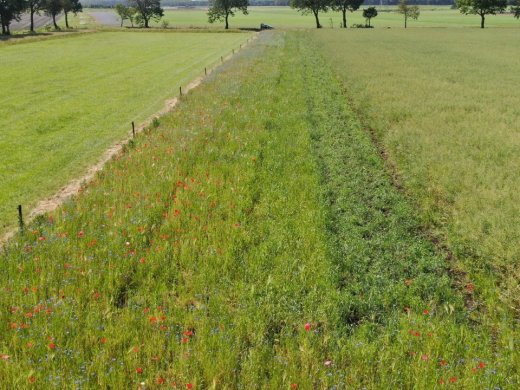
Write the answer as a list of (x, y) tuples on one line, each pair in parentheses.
[(254, 238), (78, 95)]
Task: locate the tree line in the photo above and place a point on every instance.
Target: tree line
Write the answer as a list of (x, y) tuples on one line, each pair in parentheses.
[(11, 10), (221, 10), (140, 11), (467, 7), (143, 11)]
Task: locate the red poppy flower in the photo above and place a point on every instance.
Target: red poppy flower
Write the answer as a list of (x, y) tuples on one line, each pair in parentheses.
[(453, 379), (426, 312), (52, 345), (160, 381), (482, 365), (294, 385), (139, 370), (189, 386), (307, 326)]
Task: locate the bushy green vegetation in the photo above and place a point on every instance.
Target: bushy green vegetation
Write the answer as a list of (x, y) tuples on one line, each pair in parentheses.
[(443, 104), (76, 96), (252, 239)]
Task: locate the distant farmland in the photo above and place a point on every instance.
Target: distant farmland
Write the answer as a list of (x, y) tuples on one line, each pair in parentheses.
[(286, 17), (78, 95)]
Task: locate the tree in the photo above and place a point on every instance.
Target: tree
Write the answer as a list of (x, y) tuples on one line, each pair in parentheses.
[(481, 7), (146, 10), (125, 12), (10, 10), (132, 12), (52, 8), (408, 11), (344, 6), (73, 6), (34, 7), (369, 13), (222, 9), (314, 6), (515, 9)]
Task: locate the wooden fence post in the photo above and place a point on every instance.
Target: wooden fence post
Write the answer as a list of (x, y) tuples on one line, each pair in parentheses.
[(20, 218)]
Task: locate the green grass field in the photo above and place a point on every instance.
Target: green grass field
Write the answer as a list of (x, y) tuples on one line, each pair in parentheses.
[(255, 238), (77, 95), (286, 17)]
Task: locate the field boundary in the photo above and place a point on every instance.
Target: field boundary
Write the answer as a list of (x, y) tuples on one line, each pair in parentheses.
[(73, 187)]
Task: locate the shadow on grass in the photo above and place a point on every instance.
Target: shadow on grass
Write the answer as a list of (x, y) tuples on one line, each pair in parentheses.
[(23, 35)]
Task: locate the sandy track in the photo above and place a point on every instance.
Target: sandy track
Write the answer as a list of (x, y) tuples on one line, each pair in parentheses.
[(73, 187)]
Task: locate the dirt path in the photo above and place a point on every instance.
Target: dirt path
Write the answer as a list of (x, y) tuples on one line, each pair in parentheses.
[(73, 187)]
